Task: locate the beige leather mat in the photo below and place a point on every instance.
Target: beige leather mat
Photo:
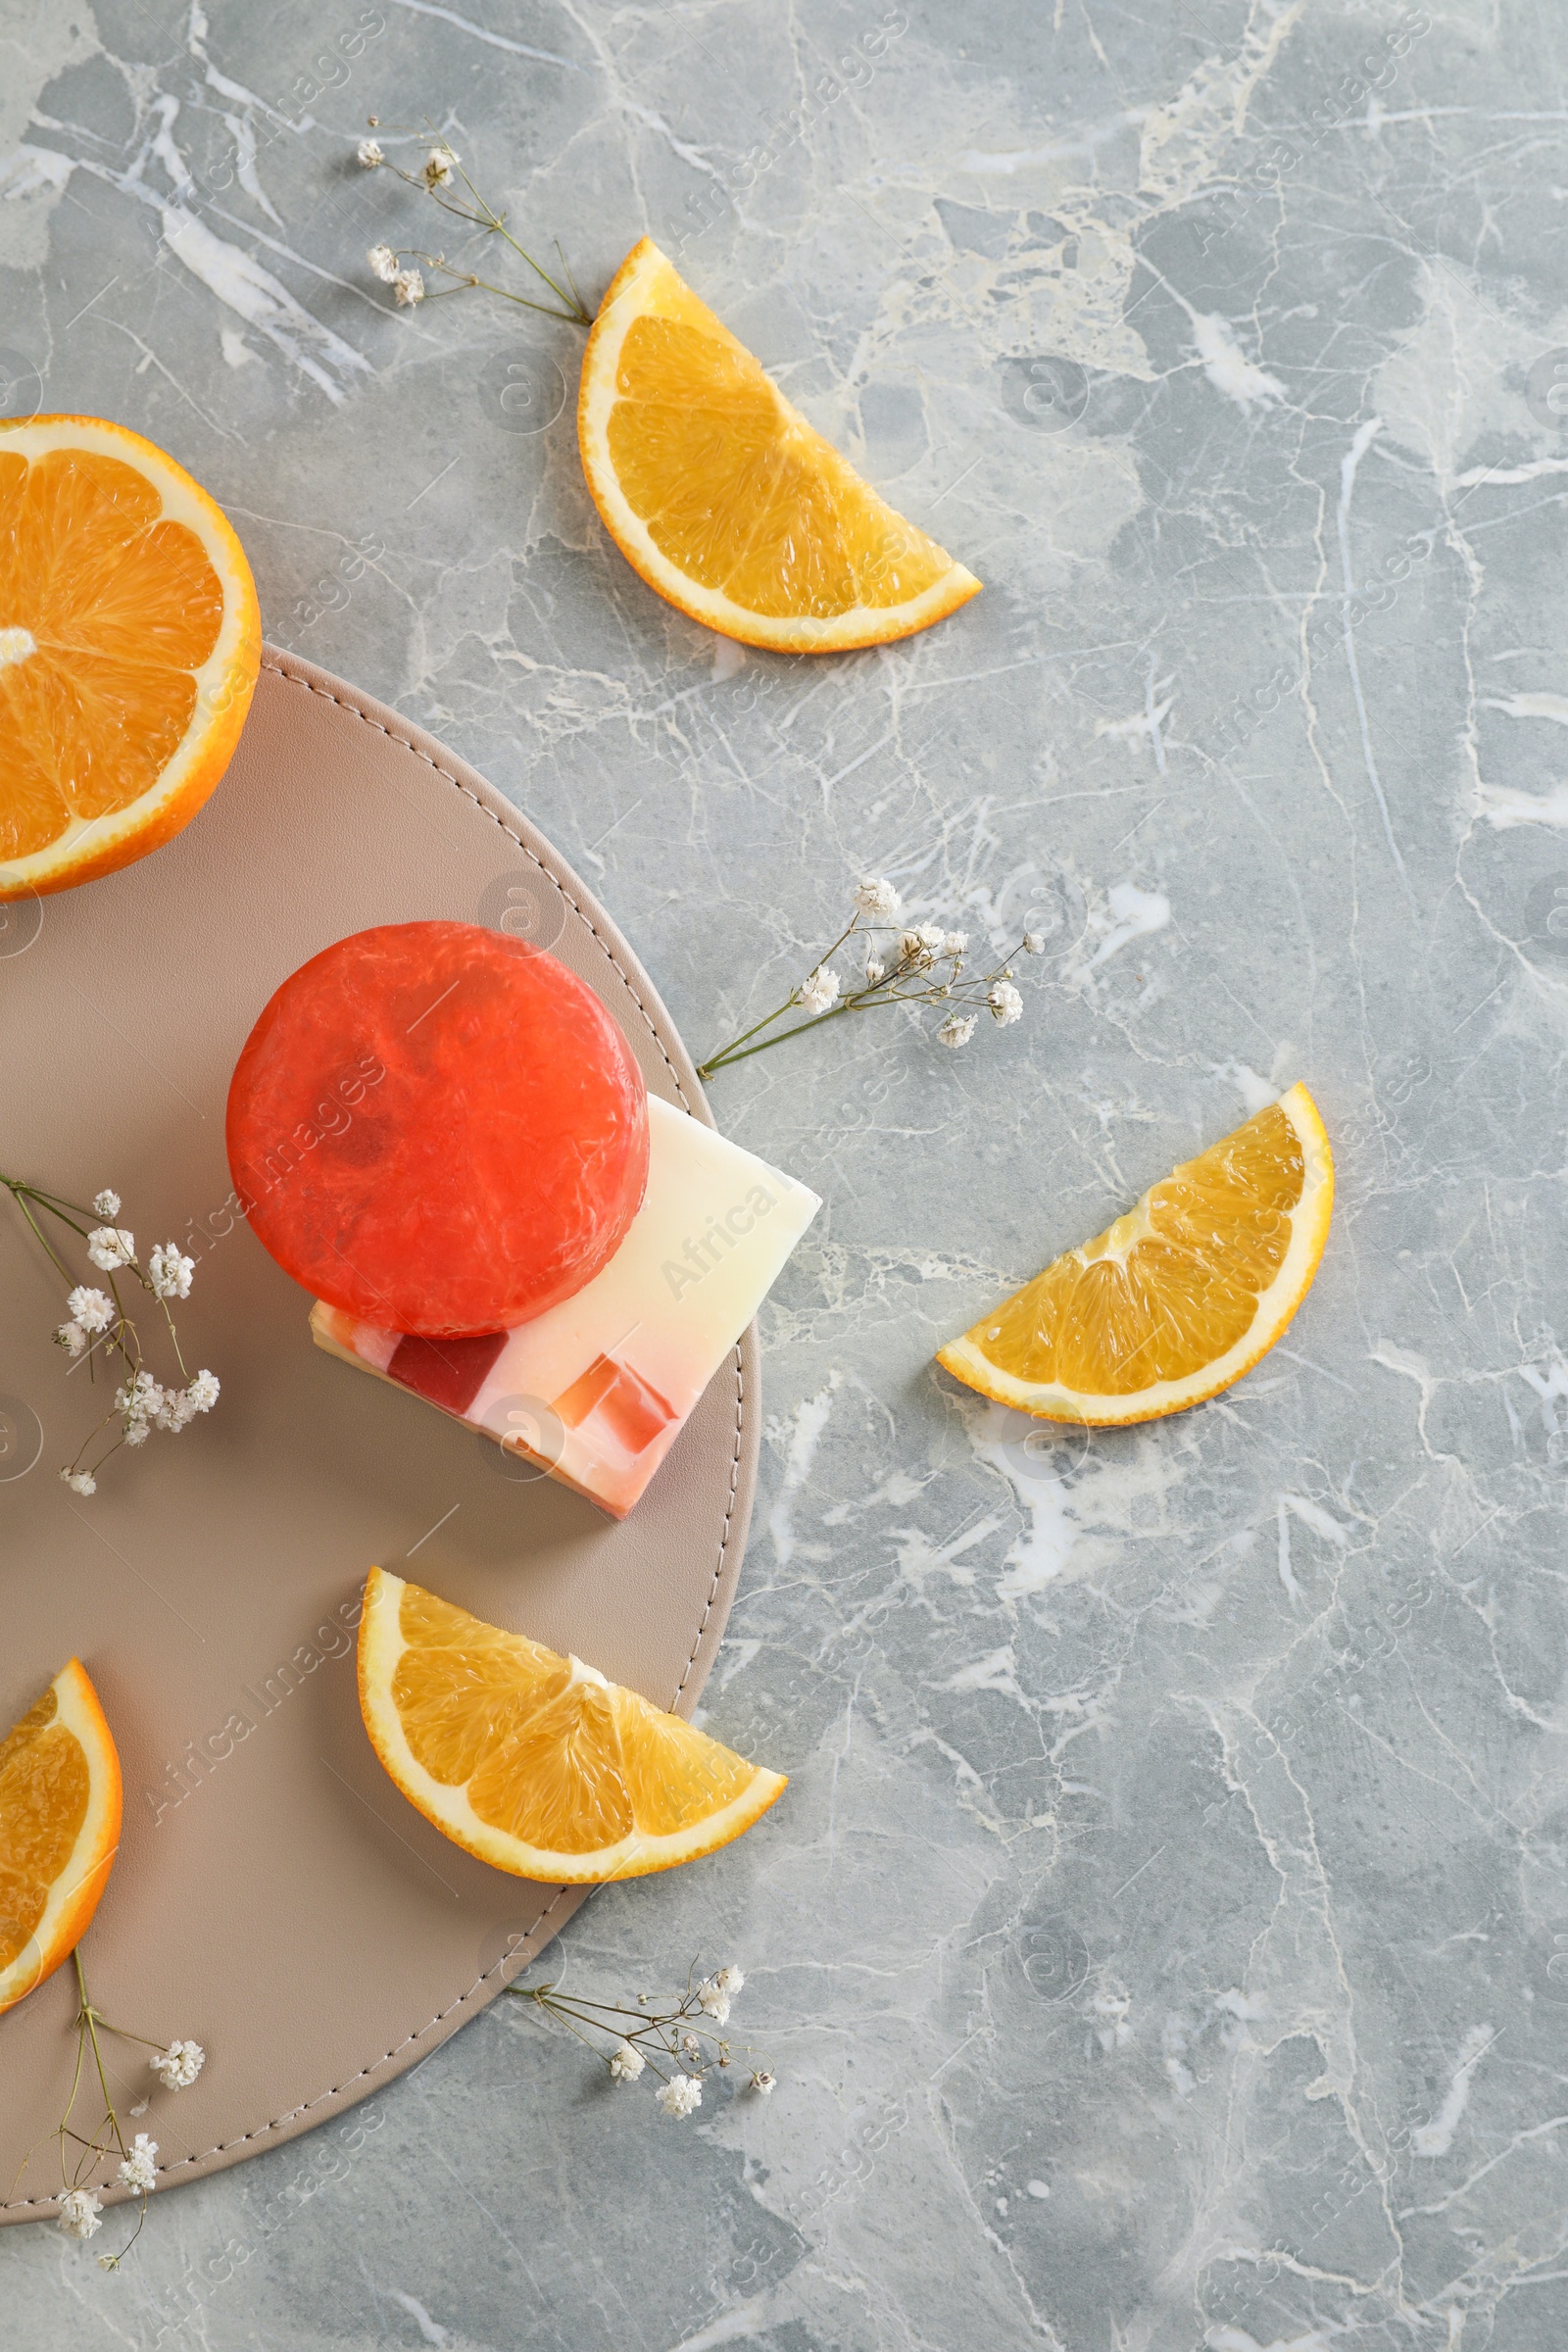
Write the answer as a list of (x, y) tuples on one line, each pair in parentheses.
[(274, 1897)]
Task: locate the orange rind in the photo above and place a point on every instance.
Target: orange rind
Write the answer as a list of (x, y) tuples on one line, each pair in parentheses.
[(1180, 1297)]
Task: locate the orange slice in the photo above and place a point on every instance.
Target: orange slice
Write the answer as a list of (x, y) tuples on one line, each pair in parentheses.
[(129, 644), (720, 493), (59, 1830), (1180, 1297), (533, 1761)]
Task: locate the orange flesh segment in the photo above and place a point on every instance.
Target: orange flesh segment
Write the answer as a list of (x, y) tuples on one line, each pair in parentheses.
[(44, 1788), (674, 1776), (741, 496), (1111, 1320), (550, 1755), (725, 500), (121, 607)]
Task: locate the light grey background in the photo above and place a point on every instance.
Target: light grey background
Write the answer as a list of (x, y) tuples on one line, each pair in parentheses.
[(1157, 1943)]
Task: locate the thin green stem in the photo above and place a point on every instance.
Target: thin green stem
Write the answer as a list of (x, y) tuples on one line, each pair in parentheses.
[(572, 309), (20, 1194), (576, 310), (110, 2116), (641, 2022), (887, 990), (54, 1200), (173, 1338), (665, 2032), (81, 2051), (553, 2010), (721, 1061), (497, 222), (571, 281), (556, 2006), (121, 2035), (466, 280), (109, 2137), (715, 1059)]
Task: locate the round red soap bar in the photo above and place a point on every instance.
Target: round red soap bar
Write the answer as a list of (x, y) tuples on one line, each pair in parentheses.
[(438, 1129)]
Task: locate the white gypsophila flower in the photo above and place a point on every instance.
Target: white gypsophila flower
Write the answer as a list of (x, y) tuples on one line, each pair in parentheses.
[(173, 1410), (1033, 943), (1007, 1006), (691, 2047), (681, 2095), (917, 947), (79, 2210), (110, 1248), (368, 154), (763, 2081), (90, 1309), (878, 899), (80, 1482), (626, 2062), (956, 1030), (204, 1390), (71, 1337), (714, 2000), (169, 1272), (820, 992), (409, 288), (177, 2067), (383, 262), (437, 173), (137, 1432), (873, 971), (731, 1980), (139, 2170), (954, 942), (139, 1398), (106, 1203)]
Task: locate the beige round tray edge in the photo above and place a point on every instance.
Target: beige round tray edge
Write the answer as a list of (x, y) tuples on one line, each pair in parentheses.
[(284, 1910)]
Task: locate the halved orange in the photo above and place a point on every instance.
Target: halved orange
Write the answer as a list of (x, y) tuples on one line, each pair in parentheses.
[(1180, 1297), (131, 640), (716, 490), (59, 1800), (533, 1761)]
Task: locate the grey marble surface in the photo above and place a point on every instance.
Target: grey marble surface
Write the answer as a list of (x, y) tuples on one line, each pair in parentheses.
[(1156, 1944)]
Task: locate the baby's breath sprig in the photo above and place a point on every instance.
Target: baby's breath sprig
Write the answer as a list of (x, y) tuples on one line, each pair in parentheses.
[(436, 178), (84, 2156), (676, 2043), (924, 965), (99, 1329)]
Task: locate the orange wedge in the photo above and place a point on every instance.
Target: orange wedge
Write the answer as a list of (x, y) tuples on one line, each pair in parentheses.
[(533, 1761), (59, 1830), (720, 493), (129, 645), (1180, 1297)]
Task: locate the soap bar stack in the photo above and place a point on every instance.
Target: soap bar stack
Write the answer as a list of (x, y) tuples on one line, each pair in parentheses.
[(594, 1391), (493, 1215)]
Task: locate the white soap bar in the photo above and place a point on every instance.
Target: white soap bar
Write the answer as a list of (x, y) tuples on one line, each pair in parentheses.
[(594, 1392)]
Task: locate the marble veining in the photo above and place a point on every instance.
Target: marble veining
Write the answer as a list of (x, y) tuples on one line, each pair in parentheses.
[(1163, 1943)]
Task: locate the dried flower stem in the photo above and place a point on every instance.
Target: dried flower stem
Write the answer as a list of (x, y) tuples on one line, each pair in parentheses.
[(438, 172), (924, 967), (79, 2202), (677, 2043), (108, 2139), (99, 1324)]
